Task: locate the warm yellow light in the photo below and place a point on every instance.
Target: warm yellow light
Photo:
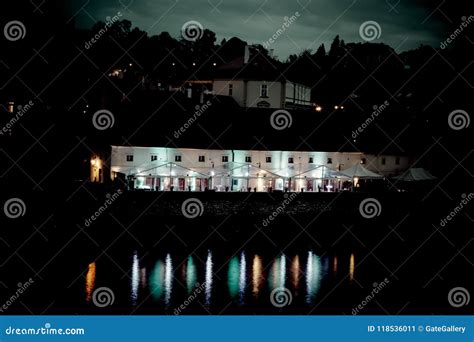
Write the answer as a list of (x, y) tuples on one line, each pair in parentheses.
[(342, 107), (319, 108), (336, 107), (93, 162)]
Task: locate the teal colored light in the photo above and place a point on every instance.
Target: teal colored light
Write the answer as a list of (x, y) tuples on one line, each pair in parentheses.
[(191, 275), (156, 280), (233, 277)]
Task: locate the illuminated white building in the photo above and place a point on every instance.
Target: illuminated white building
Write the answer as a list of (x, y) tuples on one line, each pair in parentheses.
[(254, 82), (182, 169)]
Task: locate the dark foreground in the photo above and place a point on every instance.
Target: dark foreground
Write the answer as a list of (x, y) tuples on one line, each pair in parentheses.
[(318, 256)]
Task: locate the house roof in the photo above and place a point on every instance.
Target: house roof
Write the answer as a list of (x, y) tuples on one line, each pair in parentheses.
[(258, 67)]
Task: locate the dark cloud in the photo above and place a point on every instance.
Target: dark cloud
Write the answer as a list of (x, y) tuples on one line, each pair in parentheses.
[(404, 24)]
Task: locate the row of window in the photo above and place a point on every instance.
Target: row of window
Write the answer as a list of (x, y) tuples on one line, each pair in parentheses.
[(248, 159), (263, 90)]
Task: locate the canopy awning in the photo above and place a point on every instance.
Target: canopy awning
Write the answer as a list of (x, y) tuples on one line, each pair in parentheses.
[(415, 174), (173, 169), (237, 170), (319, 172), (359, 171)]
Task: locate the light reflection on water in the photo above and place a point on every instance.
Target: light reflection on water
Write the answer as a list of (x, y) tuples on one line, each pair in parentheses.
[(242, 277), (351, 267), (295, 272), (246, 276), (313, 276), (90, 281), (191, 274), (233, 276), (135, 281), (168, 279), (208, 285), (257, 276)]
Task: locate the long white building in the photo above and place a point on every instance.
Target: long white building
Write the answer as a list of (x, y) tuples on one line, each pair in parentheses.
[(182, 169)]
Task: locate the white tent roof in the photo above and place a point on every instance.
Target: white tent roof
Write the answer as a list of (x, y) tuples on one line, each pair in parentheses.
[(415, 174), (321, 172), (360, 171)]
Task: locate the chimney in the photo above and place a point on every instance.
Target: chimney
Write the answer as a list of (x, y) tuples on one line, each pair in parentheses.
[(247, 54)]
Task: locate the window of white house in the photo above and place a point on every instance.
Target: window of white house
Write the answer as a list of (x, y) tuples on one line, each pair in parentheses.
[(202, 159), (329, 160), (397, 160), (383, 161), (264, 90), (154, 157), (310, 160), (225, 159), (231, 89), (268, 159), (248, 159), (129, 157), (290, 160), (363, 161), (177, 158)]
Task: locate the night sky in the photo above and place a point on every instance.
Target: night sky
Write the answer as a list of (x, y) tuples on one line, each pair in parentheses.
[(405, 24)]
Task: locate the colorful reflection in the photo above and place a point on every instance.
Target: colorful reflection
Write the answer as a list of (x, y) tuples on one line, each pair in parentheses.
[(143, 278), (90, 281), (313, 276), (242, 277), (233, 276), (351, 267), (277, 275), (135, 279), (295, 271), (168, 279), (191, 274), (303, 276), (156, 280), (257, 277), (208, 285)]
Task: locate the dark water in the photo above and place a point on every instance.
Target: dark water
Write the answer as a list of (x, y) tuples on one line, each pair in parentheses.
[(248, 281), (302, 264)]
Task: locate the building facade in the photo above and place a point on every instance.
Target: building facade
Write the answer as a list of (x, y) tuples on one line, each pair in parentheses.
[(182, 169), (263, 94)]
